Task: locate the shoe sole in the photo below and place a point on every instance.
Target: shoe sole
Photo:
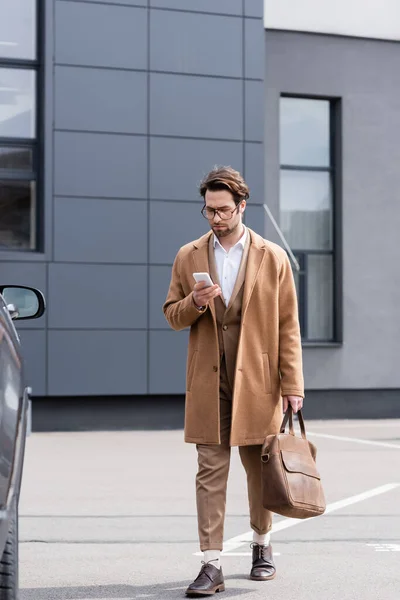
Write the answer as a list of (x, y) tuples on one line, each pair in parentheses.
[(262, 578), (218, 588)]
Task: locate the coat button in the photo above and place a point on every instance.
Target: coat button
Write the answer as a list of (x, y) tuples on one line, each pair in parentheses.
[(215, 369), (225, 327)]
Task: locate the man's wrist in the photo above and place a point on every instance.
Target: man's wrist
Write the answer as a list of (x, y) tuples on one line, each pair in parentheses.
[(199, 308)]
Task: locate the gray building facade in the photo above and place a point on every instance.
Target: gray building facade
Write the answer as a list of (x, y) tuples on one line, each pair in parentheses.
[(140, 100), (357, 74), (137, 100)]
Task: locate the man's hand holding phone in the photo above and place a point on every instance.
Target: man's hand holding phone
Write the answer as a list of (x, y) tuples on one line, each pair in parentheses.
[(204, 290)]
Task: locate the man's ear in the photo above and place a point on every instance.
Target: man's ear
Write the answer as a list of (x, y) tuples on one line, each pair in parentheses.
[(243, 206)]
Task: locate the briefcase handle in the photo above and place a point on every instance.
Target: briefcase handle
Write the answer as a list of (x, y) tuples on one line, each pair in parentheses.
[(289, 417)]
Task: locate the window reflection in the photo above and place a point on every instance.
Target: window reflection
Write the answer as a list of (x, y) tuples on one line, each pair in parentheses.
[(320, 297), (18, 114), (304, 132), (16, 158), (17, 214), (17, 103), (18, 29), (306, 209)]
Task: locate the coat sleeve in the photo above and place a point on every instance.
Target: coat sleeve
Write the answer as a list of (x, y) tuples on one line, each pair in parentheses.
[(290, 352), (179, 310)]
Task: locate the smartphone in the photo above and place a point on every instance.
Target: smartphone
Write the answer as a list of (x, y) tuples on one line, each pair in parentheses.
[(203, 277)]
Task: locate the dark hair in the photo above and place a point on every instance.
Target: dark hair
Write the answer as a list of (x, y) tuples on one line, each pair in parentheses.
[(225, 178)]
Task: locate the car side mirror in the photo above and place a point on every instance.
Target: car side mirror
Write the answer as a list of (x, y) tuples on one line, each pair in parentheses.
[(23, 302)]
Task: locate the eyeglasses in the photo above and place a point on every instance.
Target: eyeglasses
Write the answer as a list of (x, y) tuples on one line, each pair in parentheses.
[(209, 213)]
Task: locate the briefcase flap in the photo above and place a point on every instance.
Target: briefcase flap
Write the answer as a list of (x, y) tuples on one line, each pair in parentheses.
[(294, 462)]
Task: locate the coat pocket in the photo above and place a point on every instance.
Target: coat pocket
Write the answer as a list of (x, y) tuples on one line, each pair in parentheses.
[(190, 371), (267, 373)]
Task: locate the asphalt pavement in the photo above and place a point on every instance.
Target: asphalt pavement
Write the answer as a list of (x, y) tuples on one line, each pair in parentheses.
[(112, 515)]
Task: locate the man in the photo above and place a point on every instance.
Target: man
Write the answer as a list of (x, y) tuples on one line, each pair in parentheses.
[(244, 355)]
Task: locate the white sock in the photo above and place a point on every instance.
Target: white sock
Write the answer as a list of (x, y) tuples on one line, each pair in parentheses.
[(261, 539), (213, 556)]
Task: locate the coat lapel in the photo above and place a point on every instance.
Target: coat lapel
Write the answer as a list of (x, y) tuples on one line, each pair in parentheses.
[(254, 262), (201, 262), (211, 261), (240, 279)]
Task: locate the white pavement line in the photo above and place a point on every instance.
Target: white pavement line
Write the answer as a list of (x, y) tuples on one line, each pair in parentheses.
[(240, 540), (374, 424), (352, 439), (385, 547)]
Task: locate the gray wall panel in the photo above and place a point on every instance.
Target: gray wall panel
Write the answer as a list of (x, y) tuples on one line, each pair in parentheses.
[(30, 274), (254, 172), (254, 8), (360, 72), (254, 49), (127, 2), (97, 296), (174, 224), (196, 106), (177, 166), (103, 35), (231, 7), (254, 111), (168, 351), (191, 43), (101, 100), (97, 362), (33, 344), (160, 278), (113, 166), (94, 238)]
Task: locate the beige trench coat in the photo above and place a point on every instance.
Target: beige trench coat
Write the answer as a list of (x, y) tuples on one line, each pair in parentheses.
[(269, 358)]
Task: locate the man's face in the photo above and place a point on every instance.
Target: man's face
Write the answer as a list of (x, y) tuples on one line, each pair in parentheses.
[(223, 201)]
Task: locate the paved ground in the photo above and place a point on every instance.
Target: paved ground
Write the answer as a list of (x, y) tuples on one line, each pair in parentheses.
[(112, 515)]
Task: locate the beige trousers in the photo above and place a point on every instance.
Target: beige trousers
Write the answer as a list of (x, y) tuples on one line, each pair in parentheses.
[(212, 479)]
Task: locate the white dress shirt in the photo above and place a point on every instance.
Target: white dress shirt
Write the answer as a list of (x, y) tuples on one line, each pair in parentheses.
[(228, 264)]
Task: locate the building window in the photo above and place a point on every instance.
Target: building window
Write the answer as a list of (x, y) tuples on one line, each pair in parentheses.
[(18, 124), (308, 185)]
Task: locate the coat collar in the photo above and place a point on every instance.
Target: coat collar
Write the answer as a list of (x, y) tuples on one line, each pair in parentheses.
[(241, 276), (203, 240), (255, 240), (200, 259), (254, 262), (255, 259)]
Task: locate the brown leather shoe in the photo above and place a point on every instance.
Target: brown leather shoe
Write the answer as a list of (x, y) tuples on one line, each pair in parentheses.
[(208, 581), (263, 567)]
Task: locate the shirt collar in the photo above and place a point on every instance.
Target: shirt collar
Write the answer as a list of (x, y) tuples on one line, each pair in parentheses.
[(241, 242)]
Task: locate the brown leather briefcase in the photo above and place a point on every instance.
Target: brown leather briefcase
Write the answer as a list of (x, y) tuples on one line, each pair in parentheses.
[(290, 479)]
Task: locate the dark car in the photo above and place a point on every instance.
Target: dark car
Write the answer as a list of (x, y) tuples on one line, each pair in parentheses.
[(16, 302)]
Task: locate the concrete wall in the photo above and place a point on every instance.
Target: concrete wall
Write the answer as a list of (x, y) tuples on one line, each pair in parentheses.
[(379, 19), (361, 73), (140, 101)]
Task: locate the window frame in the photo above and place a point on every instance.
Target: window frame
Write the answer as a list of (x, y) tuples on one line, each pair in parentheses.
[(335, 170), (36, 143)]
